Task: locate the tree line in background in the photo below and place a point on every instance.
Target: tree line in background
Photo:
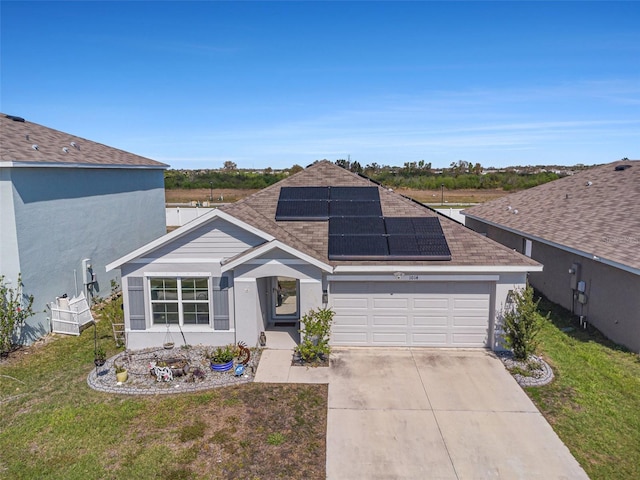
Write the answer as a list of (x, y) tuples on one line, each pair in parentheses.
[(413, 175)]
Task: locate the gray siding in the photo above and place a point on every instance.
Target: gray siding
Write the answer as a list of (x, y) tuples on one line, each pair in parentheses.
[(215, 240)]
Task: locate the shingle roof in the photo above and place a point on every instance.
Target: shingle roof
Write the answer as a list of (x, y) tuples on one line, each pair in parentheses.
[(467, 247), (594, 211), (17, 140)]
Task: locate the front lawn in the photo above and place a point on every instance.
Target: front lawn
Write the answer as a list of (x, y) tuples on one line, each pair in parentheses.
[(54, 426), (594, 402)]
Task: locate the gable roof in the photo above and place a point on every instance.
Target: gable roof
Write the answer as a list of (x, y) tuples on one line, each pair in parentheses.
[(182, 231), (18, 139), (311, 237), (593, 213)]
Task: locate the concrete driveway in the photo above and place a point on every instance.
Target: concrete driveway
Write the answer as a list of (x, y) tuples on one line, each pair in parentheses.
[(427, 414)]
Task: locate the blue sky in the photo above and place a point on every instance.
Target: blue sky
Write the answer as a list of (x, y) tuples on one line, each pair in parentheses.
[(273, 84)]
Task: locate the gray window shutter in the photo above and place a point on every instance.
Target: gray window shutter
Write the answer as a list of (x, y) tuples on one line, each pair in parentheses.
[(136, 302), (220, 303)]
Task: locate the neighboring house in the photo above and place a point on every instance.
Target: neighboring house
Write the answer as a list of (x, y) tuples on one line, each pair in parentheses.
[(585, 230), (394, 271), (67, 207)]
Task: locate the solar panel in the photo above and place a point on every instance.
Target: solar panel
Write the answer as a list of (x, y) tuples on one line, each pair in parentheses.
[(399, 225), (427, 226), (413, 225), (433, 247), (356, 226), (412, 247), (357, 247), (354, 193), (403, 246), (354, 208), (312, 210), (304, 193)]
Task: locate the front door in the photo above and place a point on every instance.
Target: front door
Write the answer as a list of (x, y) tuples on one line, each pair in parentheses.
[(285, 300)]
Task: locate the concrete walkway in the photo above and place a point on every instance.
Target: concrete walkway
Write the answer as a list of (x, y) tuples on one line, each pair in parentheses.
[(427, 414)]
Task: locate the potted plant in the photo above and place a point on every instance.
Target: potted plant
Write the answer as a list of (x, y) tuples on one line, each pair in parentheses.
[(121, 373), (100, 357), (222, 358)]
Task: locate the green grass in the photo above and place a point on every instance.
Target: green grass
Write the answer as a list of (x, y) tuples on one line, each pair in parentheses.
[(54, 426), (594, 402)]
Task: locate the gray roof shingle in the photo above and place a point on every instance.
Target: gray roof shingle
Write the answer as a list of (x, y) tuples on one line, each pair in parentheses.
[(467, 247), (54, 147), (594, 211)]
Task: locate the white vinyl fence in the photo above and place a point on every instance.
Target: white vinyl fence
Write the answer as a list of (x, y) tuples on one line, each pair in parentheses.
[(68, 316), (178, 216)]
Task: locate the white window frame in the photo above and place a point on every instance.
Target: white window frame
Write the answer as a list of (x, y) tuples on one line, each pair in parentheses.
[(180, 301)]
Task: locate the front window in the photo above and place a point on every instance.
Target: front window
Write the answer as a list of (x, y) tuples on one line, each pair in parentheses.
[(183, 301)]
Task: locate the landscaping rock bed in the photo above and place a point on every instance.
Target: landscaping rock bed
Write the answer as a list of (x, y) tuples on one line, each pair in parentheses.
[(535, 372), (190, 368)]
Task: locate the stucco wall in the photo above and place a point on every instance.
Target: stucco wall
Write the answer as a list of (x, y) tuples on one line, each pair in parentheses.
[(613, 298), (9, 255), (613, 302), (64, 215)]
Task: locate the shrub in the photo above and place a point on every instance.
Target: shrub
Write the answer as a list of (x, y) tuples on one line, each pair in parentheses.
[(522, 323), (316, 329), (15, 308)]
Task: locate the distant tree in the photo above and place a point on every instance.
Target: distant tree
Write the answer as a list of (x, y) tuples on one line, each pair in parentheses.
[(295, 169), (372, 168), (356, 167), (229, 165), (346, 164)]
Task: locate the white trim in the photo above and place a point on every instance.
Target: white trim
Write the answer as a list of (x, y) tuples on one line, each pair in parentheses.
[(407, 278), (244, 280), (177, 274), (275, 261), (408, 269), (179, 232), (559, 246), (275, 244), (308, 280), (36, 164), (162, 260)]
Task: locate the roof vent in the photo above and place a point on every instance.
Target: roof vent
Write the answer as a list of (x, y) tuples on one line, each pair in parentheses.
[(14, 118), (620, 168), (588, 184), (75, 145), (34, 146), (65, 149)]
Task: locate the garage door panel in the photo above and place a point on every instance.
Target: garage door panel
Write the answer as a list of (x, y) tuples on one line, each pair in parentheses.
[(383, 320), (350, 338), (468, 339), (469, 321), (350, 320), (431, 320), (390, 302), (479, 302), (429, 339), (430, 303), (382, 338), (411, 313), (351, 303)]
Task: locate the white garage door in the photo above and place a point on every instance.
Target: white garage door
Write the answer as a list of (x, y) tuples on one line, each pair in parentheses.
[(443, 314)]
